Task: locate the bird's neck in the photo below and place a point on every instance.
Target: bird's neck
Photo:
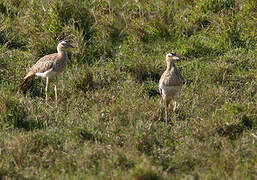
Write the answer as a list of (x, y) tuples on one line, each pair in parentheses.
[(170, 66), (61, 52)]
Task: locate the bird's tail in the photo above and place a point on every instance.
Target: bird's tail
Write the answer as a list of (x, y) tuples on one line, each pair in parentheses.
[(26, 78)]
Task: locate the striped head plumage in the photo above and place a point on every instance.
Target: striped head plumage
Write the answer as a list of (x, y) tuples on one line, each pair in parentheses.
[(63, 45), (172, 57)]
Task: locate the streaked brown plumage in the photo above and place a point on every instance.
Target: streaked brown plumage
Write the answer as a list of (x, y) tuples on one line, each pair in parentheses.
[(50, 66), (170, 83)]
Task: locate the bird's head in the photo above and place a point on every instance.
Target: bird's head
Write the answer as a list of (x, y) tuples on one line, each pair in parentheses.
[(63, 45), (172, 57)]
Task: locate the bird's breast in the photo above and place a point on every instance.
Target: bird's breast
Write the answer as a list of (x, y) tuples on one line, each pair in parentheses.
[(169, 90)]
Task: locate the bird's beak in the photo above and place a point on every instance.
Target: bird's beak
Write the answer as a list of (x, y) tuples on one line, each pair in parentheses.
[(72, 46), (176, 58)]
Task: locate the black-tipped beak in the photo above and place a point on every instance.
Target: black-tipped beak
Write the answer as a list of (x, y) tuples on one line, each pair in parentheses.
[(176, 58)]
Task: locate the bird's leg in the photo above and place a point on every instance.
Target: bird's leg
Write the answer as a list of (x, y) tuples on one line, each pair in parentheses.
[(55, 90), (161, 106), (46, 89), (161, 101), (166, 110), (170, 106), (174, 105)]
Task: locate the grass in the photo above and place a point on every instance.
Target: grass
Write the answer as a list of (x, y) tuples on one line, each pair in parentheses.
[(107, 122)]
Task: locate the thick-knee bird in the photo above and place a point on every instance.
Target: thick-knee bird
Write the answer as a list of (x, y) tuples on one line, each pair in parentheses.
[(50, 66), (170, 83)]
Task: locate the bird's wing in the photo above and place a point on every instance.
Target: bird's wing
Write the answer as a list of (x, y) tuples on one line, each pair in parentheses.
[(43, 64)]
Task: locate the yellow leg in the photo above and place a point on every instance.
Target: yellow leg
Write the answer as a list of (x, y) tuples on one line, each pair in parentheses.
[(55, 90), (166, 111), (161, 101), (161, 106), (46, 89), (167, 108), (174, 105)]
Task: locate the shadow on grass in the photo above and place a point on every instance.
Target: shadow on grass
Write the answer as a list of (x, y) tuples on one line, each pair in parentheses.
[(178, 115), (234, 131), (199, 49), (13, 114), (34, 88), (181, 115), (186, 165), (231, 131), (3, 174), (87, 136), (85, 83), (151, 92), (28, 125), (142, 72)]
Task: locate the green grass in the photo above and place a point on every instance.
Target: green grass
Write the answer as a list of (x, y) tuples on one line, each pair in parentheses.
[(106, 124)]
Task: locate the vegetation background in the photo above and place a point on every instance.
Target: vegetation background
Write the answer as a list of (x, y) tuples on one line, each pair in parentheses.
[(107, 124)]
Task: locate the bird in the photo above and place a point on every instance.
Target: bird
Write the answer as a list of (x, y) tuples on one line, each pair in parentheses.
[(50, 66), (170, 84)]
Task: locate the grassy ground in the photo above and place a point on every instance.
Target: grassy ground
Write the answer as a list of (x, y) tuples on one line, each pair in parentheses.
[(106, 124)]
